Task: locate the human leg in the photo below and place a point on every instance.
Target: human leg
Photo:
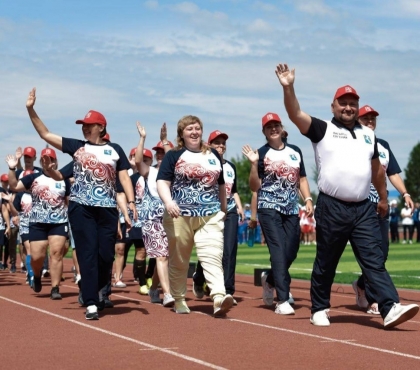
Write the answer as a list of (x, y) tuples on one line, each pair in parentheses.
[(230, 249)]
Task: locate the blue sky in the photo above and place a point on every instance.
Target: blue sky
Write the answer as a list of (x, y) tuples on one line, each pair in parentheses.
[(156, 61)]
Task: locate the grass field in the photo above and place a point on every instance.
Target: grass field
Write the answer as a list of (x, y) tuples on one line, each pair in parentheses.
[(403, 263)]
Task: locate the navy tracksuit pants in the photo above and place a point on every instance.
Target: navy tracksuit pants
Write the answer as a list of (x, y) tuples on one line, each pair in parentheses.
[(336, 223)]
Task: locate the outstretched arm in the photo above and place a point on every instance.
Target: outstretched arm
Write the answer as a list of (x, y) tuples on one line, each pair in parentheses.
[(287, 78), (142, 167), (253, 156), (164, 137), (52, 139)]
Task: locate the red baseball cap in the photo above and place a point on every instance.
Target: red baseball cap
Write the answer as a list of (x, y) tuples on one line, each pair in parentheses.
[(147, 153), (106, 137), (4, 177), (93, 117), (159, 145), (29, 151), (133, 151), (270, 117), (27, 172), (366, 109), (345, 90), (48, 152), (216, 134)]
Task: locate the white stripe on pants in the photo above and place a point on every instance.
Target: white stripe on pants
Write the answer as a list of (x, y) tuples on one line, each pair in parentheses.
[(207, 235)]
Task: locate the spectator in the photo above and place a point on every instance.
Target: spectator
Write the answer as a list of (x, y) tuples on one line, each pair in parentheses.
[(394, 219)]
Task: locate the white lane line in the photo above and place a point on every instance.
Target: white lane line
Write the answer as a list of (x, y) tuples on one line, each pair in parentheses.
[(322, 338), (149, 346)]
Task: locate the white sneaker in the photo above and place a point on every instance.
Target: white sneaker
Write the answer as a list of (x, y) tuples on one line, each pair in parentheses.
[(291, 299), (268, 290), (168, 300), (361, 300), (404, 242), (373, 309), (284, 308), (154, 296), (120, 284), (222, 304), (400, 313), (321, 318)]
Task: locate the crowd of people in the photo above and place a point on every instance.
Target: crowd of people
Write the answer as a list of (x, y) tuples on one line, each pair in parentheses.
[(102, 202)]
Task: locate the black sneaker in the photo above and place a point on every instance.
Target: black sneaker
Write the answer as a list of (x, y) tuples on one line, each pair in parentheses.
[(101, 305), (46, 274), (13, 269), (37, 285), (55, 293), (24, 269), (108, 303), (91, 313)]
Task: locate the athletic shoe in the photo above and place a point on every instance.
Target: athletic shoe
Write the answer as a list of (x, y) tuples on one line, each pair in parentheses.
[(144, 290), (373, 309), (268, 290), (108, 303), (55, 293), (361, 300), (321, 318), (291, 299), (181, 307), (23, 268), (92, 313), (154, 296), (284, 308), (400, 313), (31, 282), (222, 304), (45, 273), (80, 297), (77, 279), (206, 290), (73, 270), (27, 279), (197, 290), (37, 284), (13, 269), (235, 302), (120, 284), (149, 282), (168, 300)]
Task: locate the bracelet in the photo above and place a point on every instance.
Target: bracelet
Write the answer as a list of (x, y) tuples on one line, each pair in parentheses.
[(12, 169), (131, 201), (406, 195), (308, 198)]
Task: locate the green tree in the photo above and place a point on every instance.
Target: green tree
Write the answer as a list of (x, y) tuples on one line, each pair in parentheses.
[(412, 173), (243, 167)]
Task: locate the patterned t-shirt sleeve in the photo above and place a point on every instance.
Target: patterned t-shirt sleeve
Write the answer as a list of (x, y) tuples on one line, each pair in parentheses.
[(28, 180), (167, 167), (221, 179), (261, 154), (122, 163), (302, 172), (67, 170), (393, 167), (16, 201), (70, 146), (68, 186)]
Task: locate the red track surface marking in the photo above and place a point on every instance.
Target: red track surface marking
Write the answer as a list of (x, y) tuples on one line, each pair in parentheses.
[(137, 334)]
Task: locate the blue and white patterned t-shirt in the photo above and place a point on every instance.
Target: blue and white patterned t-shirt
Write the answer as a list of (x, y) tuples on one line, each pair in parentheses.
[(195, 178), (229, 174), (151, 208), (94, 170), (23, 204), (280, 171), (48, 198), (139, 188), (389, 164)]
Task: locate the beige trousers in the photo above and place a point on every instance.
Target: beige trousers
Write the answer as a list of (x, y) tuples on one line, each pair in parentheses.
[(207, 235)]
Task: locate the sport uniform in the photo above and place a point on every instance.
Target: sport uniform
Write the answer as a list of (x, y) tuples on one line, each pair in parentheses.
[(195, 178), (280, 171), (23, 204), (343, 211), (93, 210)]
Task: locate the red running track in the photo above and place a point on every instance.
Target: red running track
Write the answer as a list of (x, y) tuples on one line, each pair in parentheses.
[(135, 334)]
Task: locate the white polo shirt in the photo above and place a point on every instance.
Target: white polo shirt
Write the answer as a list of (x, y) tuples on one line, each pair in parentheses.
[(343, 158)]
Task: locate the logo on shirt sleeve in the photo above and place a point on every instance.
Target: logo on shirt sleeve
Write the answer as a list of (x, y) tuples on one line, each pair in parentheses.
[(58, 185), (107, 152), (293, 157), (367, 139), (212, 162), (229, 173), (382, 154)]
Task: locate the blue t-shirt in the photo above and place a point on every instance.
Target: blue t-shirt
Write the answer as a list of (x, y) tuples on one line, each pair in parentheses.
[(195, 178)]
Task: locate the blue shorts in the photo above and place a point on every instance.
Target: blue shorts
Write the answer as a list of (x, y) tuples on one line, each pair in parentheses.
[(41, 231)]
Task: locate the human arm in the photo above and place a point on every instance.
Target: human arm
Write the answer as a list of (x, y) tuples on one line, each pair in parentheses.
[(306, 195), (253, 222), (379, 182), (18, 155), (164, 191), (129, 193), (239, 206), (398, 184), (287, 78), (164, 137), (6, 218), (14, 184), (253, 157), (142, 167), (122, 205), (222, 198), (52, 139)]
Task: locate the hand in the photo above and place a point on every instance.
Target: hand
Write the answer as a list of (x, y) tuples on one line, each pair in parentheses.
[(172, 209), (133, 209), (250, 154), (119, 233), (30, 102), (18, 153), (382, 207), (7, 232), (47, 164), (11, 161), (410, 203), (163, 133), (309, 208), (241, 214), (15, 221), (252, 224), (285, 76), (141, 130), (7, 197)]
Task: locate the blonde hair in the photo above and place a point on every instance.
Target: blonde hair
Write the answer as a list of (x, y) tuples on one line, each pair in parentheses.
[(184, 122)]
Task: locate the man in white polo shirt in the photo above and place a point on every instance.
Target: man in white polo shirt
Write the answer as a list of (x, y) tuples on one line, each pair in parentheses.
[(346, 156)]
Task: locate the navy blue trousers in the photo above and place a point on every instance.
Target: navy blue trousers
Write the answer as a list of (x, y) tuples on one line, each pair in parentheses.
[(336, 223), (95, 233), (282, 233)]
